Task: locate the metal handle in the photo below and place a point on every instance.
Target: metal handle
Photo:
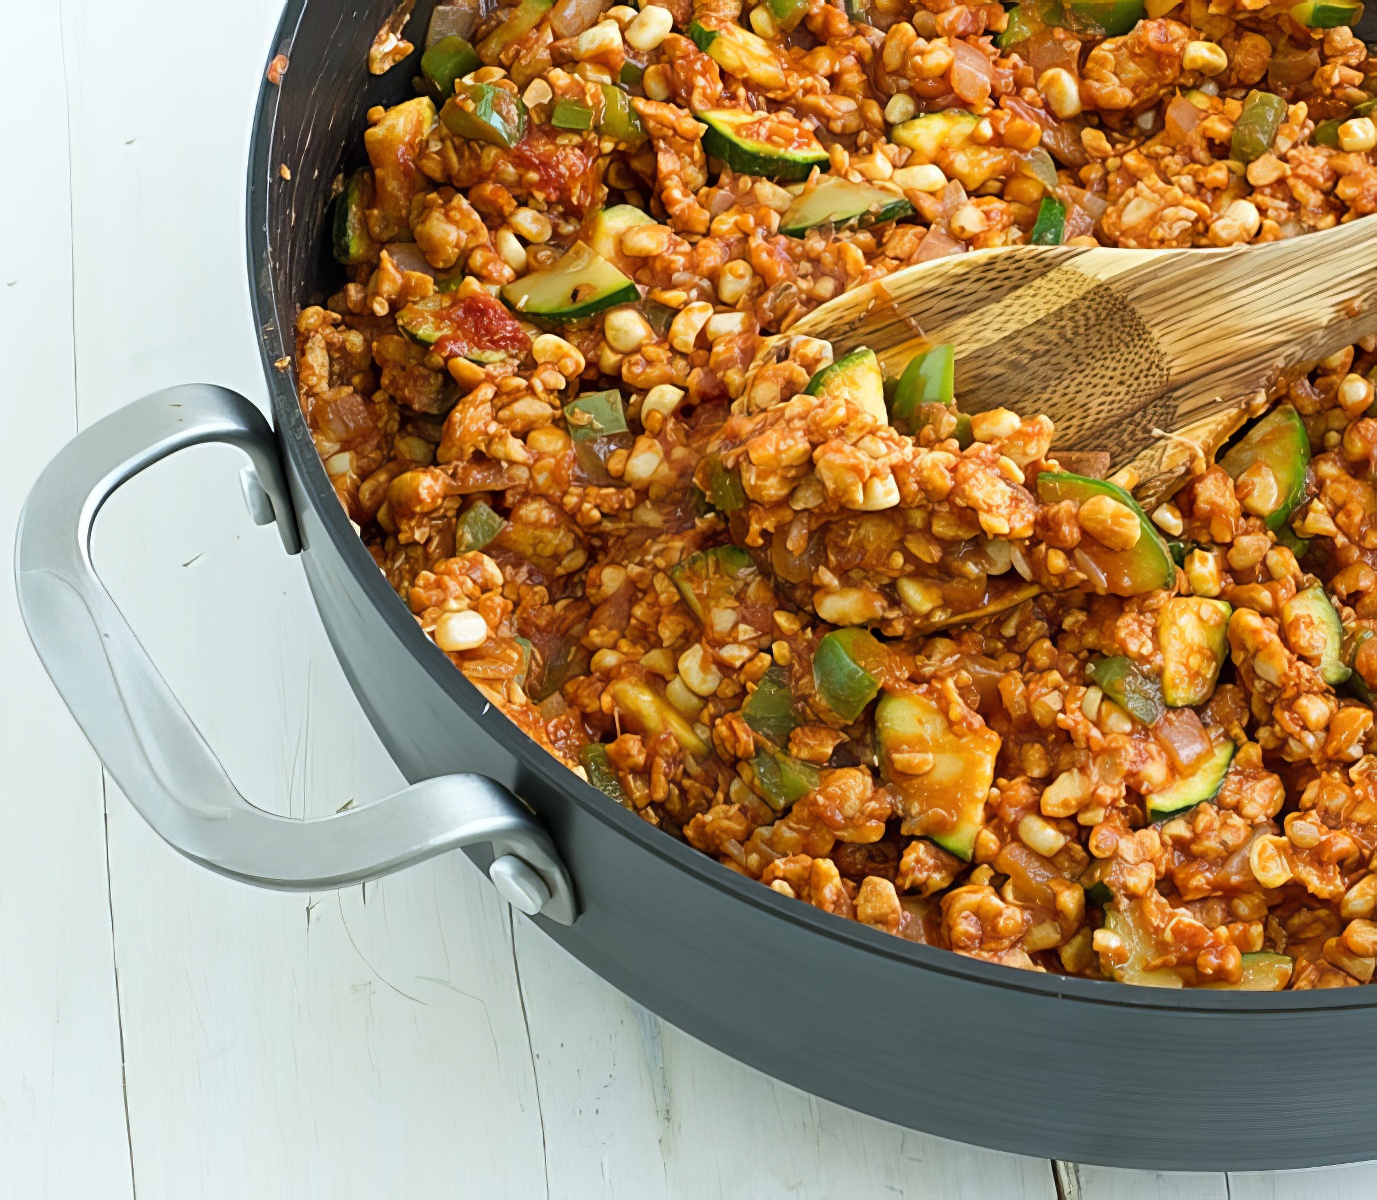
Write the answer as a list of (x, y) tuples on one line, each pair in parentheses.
[(144, 736)]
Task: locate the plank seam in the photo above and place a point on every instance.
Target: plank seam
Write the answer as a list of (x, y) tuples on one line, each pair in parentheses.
[(114, 966), (530, 1049)]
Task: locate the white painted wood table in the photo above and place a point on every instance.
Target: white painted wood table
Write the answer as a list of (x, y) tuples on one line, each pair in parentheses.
[(169, 1034)]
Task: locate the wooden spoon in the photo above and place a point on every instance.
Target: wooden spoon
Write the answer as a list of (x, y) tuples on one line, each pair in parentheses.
[(1120, 347)]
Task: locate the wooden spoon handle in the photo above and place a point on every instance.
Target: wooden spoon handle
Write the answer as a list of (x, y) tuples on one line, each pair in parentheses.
[(1114, 344)]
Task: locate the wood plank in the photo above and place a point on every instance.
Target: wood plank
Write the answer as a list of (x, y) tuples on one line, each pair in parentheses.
[(636, 1109), (1080, 1182), (1354, 1182), (62, 1120)]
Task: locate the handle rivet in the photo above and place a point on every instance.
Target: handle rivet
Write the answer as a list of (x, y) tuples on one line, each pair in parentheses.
[(518, 884)]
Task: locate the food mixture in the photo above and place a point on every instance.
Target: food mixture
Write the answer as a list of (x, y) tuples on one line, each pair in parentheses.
[(909, 665)]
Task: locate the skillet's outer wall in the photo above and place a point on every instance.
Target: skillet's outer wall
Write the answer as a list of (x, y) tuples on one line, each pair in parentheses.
[(838, 1011)]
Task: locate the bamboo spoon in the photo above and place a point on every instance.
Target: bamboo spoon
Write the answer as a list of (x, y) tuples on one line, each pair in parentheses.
[(1121, 347)]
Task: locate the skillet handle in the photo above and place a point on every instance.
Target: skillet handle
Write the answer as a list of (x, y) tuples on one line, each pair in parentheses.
[(144, 736)]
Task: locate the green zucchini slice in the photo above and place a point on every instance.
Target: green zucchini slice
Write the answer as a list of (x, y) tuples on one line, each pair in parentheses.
[(947, 802), (839, 202), (1326, 14), (927, 136), (1280, 442), (1134, 690), (580, 285), (1199, 787), (724, 490), (645, 711), (1194, 635), (787, 13), (1355, 685), (730, 137), (609, 225), (349, 231), (520, 21), (855, 377), (473, 327), (1263, 971), (741, 53), (847, 668), (1320, 625), (571, 114), (1128, 923), (484, 112), (1144, 568), (1257, 125), (619, 119)]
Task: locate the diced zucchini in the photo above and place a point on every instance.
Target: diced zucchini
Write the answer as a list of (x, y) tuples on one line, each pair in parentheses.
[(1355, 685), (451, 324), (1134, 690), (728, 137), (787, 13), (769, 710), (855, 377), (1257, 125), (839, 202), (1095, 880), (393, 143), (1194, 635), (580, 285), (1144, 568), (1050, 226), (1263, 971), (571, 114), (724, 589), (1326, 14), (484, 112), (609, 225), (724, 490), (1314, 613), (600, 773), (848, 667), (929, 378), (1104, 18), (1199, 787), (595, 415), (781, 778), (1128, 922), (619, 119), (476, 528), (1179, 550), (1326, 133), (1024, 21), (350, 228), (645, 711), (631, 73), (520, 21), (446, 62), (742, 53), (928, 135), (1280, 443), (527, 653), (947, 802)]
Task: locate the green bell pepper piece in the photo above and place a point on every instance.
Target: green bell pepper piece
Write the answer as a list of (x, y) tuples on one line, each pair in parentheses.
[(476, 528), (725, 492), (1050, 226), (595, 415), (446, 62), (1257, 125), (484, 112), (1104, 18), (572, 114), (783, 779), (769, 710), (600, 773), (929, 378), (847, 666), (619, 119)]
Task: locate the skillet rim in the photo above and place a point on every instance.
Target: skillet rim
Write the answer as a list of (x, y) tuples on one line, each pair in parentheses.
[(295, 440)]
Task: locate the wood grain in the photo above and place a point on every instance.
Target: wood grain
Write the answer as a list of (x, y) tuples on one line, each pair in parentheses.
[(1114, 344)]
